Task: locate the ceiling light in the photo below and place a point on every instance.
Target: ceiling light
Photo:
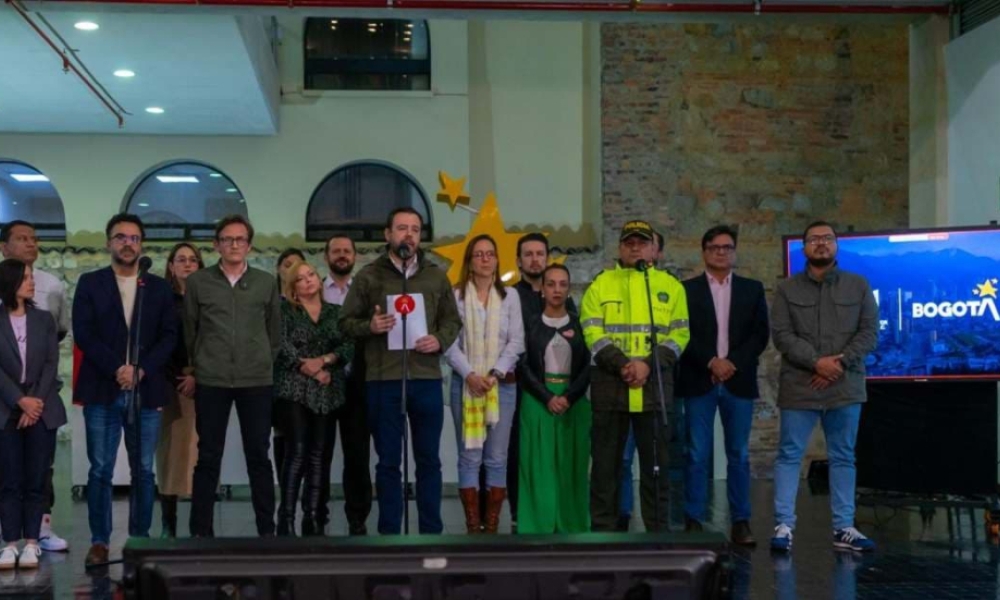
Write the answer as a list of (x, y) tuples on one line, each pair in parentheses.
[(124, 73), (177, 178), (29, 177), (373, 24), (215, 174), (154, 110), (333, 21), (86, 26), (232, 190), (144, 204), (409, 25)]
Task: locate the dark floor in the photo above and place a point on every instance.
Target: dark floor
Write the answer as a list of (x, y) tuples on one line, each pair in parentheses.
[(940, 554)]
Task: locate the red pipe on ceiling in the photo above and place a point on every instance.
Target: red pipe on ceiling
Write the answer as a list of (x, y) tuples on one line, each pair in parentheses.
[(633, 6), (67, 65)]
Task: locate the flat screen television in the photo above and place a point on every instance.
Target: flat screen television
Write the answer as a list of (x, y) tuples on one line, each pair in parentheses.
[(937, 291)]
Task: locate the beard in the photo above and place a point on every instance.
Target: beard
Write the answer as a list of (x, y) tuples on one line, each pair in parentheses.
[(821, 262), (533, 274), (341, 269), (123, 261)]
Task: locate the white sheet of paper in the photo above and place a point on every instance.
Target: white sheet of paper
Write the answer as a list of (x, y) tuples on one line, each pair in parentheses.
[(416, 322)]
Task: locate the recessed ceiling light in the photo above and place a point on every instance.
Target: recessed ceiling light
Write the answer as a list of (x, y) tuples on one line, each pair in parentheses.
[(232, 190), (144, 204), (124, 73), (177, 178), (215, 174), (154, 110), (29, 177), (333, 21), (86, 26)]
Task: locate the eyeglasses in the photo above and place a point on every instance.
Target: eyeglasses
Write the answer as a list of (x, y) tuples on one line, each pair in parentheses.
[(234, 241), (480, 255), (723, 248), (121, 238), (816, 240)]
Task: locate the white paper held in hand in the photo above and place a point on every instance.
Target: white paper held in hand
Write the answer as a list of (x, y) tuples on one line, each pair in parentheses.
[(416, 321)]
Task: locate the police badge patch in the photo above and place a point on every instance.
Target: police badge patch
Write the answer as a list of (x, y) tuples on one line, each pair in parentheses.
[(663, 297)]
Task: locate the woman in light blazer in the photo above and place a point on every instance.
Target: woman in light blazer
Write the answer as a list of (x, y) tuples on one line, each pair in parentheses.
[(30, 413), (483, 385)]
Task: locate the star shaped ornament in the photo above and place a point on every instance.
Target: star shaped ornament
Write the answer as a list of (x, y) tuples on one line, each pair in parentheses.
[(986, 288), (490, 222), (452, 190)]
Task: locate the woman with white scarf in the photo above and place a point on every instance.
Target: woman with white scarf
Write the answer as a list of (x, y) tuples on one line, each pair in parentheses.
[(483, 385)]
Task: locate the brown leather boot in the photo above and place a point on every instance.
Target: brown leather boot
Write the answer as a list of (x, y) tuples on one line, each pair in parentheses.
[(493, 507), (470, 502)]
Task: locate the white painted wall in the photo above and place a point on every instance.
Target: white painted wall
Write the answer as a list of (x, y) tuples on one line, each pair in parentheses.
[(973, 74), (537, 90)]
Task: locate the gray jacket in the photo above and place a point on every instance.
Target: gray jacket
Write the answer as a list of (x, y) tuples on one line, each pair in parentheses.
[(43, 362), (811, 319)]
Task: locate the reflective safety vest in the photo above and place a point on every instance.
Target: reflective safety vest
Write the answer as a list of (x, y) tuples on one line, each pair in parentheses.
[(615, 317)]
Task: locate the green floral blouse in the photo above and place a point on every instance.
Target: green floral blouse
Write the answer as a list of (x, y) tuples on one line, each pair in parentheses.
[(301, 338)]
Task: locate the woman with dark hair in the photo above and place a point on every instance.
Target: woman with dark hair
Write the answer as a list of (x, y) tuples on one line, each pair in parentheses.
[(177, 453), (30, 413), (309, 381), (555, 416), (285, 260), (483, 386)]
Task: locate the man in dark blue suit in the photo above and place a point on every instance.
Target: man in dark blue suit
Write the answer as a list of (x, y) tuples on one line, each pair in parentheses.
[(105, 319), (718, 370)]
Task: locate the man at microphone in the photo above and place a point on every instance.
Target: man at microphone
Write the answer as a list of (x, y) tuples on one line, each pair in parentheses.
[(624, 385), (369, 315), (105, 322)]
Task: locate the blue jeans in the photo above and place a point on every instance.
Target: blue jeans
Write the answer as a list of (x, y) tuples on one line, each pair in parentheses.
[(494, 451), (104, 423), (425, 408), (737, 416), (840, 426), (626, 497)]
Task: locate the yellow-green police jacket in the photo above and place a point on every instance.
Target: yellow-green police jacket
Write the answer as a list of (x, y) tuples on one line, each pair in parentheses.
[(615, 317)]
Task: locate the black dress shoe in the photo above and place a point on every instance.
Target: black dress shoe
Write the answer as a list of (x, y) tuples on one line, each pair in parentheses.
[(741, 534), (357, 529), (692, 526), (623, 523)]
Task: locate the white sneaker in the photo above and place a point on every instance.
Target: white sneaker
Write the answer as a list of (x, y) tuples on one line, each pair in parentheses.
[(8, 558), (48, 540), (29, 557)]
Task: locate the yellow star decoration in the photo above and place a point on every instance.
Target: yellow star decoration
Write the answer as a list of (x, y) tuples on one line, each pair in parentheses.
[(452, 190), (986, 289), (490, 222)]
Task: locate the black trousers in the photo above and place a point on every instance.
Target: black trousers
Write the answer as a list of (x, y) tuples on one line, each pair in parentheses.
[(25, 456), (212, 407), (306, 442), (608, 435), (355, 442)]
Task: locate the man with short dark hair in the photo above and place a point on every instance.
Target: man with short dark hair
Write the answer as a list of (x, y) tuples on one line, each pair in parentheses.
[(106, 319), (232, 327), (19, 240), (718, 372), (367, 315), (824, 322), (355, 440)]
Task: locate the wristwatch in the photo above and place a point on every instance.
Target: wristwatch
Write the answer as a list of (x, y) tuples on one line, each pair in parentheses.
[(496, 374)]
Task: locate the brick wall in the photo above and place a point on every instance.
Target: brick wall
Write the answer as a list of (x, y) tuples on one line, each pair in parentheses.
[(763, 126)]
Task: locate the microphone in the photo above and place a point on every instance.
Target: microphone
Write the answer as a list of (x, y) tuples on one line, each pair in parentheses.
[(641, 266), (404, 252), (145, 264)]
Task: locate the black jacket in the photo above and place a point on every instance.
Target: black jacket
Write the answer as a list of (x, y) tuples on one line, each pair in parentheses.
[(748, 337), (532, 304), (531, 367)]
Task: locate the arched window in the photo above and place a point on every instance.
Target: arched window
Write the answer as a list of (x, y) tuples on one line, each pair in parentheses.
[(354, 200), (182, 200), (366, 54), (27, 195)]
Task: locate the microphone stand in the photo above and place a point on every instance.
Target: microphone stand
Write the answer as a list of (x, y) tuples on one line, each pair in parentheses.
[(133, 413), (403, 406), (661, 397)]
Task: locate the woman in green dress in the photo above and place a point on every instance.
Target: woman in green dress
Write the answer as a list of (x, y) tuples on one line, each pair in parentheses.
[(554, 373), (309, 381)]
